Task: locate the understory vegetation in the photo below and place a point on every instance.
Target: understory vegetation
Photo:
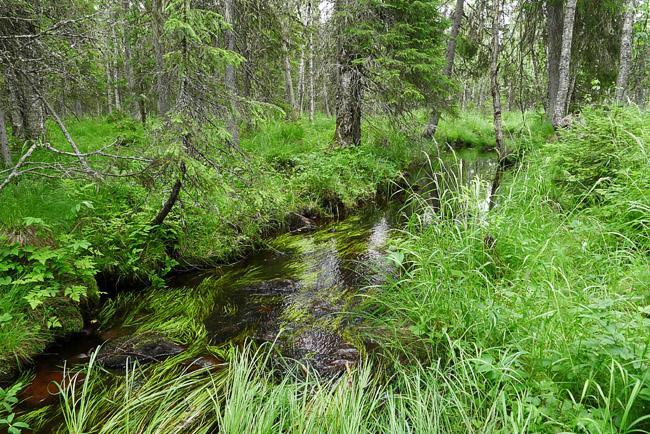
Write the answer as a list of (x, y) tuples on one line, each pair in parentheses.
[(63, 232), (530, 318)]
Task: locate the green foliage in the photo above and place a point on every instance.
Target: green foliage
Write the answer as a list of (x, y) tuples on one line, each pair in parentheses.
[(44, 272), (545, 296), (399, 45), (8, 400)]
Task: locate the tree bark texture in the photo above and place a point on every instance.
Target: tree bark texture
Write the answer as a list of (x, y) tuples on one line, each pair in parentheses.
[(349, 80), (561, 102), (4, 141), (288, 81), (310, 26), (626, 53)]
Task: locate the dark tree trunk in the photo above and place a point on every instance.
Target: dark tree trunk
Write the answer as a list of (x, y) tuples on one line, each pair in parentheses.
[(349, 80), (171, 200), (432, 125)]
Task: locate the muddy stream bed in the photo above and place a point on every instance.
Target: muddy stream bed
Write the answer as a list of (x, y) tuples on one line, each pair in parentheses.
[(297, 293)]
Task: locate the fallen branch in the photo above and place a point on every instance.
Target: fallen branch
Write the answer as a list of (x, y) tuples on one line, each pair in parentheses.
[(16, 170)]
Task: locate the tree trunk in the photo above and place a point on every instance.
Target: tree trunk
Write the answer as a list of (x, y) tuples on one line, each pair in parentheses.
[(171, 199), (565, 63), (126, 43), (310, 25), (230, 79), (157, 24), (288, 81), (554, 13), (626, 53), (4, 141), (432, 125), (349, 80), (496, 101), (301, 81), (116, 72), (326, 100), (109, 88), (30, 118)]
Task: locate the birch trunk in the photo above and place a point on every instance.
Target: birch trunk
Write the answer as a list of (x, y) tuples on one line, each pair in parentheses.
[(301, 80), (432, 125), (4, 141), (626, 53), (565, 63)]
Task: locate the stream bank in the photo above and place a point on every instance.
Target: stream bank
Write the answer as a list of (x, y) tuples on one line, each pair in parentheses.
[(299, 293)]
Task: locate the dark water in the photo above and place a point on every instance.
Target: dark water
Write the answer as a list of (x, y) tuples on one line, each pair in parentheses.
[(296, 292)]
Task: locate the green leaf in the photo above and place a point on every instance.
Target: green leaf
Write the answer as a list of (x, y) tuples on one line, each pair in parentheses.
[(42, 255), (75, 292)]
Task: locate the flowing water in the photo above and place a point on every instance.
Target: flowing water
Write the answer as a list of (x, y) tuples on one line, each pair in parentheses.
[(297, 292)]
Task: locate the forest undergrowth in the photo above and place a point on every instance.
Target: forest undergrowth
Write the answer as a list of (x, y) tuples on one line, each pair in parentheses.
[(530, 318)]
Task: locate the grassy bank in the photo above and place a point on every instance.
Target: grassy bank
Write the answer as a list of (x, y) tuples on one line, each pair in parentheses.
[(536, 315), (59, 233), (532, 318)]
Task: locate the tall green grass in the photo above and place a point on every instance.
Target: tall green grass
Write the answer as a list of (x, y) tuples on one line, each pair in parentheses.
[(552, 284)]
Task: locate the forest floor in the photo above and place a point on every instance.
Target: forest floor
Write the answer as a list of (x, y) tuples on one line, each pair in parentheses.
[(532, 318)]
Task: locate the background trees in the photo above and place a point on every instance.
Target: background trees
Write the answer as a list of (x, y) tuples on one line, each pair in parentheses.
[(234, 61)]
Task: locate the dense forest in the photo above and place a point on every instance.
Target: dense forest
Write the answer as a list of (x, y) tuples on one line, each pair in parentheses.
[(337, 216)]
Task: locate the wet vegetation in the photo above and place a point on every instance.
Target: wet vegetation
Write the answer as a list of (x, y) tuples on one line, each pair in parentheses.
[(332, 216)]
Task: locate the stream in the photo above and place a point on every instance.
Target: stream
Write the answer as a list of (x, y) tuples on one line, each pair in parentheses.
[(297, 292)]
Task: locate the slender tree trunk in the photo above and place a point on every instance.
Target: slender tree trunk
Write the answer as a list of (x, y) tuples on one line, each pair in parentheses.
[(230, 78), (310, 25), (565, 63), (554, 19), (288, 81), (116, 75), (496, 100), (301, 81), (626, 53), (432, 125), (126, 43), (171, 199), (326, 100), (109, 88), (157, 23), (4, 141), (349, 80)]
